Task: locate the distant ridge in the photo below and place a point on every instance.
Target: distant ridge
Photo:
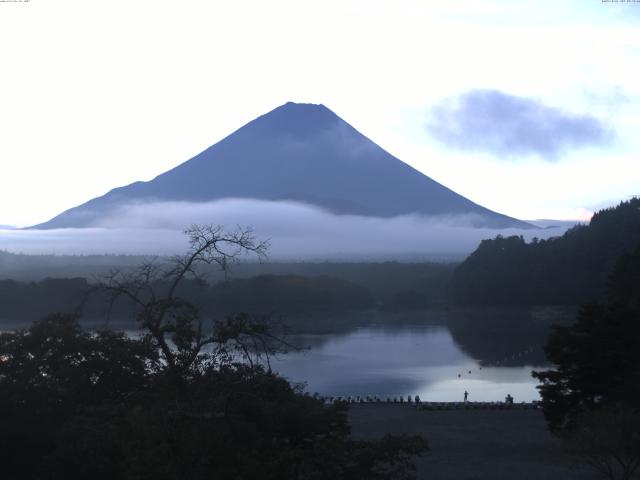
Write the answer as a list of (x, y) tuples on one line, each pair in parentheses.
[(298, 152)]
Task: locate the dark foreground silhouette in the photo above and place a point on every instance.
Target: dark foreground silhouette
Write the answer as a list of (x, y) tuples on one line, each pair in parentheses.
[(187, 399)]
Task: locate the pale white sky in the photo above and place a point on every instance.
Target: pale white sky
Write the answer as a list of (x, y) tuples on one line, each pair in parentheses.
[(98, 94)]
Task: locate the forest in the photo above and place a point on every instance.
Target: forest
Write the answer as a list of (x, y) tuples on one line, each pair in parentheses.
[(260, 288), (566, 270)]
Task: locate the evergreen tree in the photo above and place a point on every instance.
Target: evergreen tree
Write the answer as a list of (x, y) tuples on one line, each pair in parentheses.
[(598, 358)]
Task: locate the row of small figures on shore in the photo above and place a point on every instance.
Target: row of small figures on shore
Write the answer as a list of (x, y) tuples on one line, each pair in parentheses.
[(426, 405), (477, 405), (372, 399)]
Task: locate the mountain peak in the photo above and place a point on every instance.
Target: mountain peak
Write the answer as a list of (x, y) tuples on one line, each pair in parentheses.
[(300, 152), (303, 106), (291, 104), (297, 119)]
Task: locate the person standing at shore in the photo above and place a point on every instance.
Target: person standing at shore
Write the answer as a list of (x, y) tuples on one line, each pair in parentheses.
[(466, 394)]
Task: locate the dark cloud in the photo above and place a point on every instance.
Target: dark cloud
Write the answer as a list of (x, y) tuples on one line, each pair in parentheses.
[(509, 126)]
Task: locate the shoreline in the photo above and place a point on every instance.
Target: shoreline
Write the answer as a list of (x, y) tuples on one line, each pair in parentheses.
[(473, 444)]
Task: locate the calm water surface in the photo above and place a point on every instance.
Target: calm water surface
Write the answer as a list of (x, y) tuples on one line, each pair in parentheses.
[(410, 360), (436, 355)]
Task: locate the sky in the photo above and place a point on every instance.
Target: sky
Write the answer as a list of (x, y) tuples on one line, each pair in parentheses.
[(529, 108)]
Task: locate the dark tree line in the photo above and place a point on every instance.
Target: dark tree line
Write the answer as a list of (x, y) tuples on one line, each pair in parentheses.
[(279, 294), (24, 300), (394, 284), (288, 294), (592, 396), (188, 398), (282, 294), (567, 270), (598, 357)]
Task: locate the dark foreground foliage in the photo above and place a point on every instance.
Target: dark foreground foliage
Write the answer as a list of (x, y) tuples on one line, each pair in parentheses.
[(592, 398), (188, 399), (597, 358), (101, 405)]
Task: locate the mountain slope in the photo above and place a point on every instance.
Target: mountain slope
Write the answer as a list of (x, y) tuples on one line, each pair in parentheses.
[(299, 152)]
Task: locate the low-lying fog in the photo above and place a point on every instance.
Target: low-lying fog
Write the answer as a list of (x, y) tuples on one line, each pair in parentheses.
[(295, 231)]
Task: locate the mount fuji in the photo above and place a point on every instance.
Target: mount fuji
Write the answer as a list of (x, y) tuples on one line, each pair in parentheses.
[(302, 153)]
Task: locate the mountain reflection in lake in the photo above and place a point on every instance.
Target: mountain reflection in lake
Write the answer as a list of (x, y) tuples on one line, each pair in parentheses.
[(413, 360)]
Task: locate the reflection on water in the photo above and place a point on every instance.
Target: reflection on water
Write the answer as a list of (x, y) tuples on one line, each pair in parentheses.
[(410, 360), (436, 354), (506, 336)]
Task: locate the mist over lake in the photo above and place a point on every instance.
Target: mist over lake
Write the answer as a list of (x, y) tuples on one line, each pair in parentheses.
[(295, 231)]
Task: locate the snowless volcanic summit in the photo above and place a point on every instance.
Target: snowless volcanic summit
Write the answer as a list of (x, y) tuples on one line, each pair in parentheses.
[(297, 152)]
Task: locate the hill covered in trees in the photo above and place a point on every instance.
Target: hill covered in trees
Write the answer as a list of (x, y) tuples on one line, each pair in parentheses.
[(265, 294), (290, 293), (596, 359), (569, 270), (32, 286)]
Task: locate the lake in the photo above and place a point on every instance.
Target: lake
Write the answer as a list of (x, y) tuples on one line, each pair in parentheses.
[(413, 360), (436, 354)]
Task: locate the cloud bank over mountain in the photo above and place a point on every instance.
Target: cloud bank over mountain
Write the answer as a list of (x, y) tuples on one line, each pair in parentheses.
[(295, 231), (509, 126)]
